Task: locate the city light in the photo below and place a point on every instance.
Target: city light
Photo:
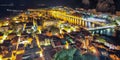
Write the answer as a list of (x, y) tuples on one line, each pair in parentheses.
[(59, 33)]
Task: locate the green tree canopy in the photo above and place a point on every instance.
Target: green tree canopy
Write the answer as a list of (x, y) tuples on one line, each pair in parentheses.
[(73, 54)]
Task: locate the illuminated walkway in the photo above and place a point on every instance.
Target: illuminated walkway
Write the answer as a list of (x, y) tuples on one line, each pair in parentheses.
[(74, 19)]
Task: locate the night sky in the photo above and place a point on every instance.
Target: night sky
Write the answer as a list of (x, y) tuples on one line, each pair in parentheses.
[(24, 4)]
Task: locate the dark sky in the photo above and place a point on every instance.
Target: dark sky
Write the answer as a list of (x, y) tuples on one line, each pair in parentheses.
[(70, 3), (24, 4), (34, 3)]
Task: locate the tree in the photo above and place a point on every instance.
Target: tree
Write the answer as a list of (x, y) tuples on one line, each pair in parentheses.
[(106, 6), (88, 56), (73, 54), (86, 4), (65, 54)]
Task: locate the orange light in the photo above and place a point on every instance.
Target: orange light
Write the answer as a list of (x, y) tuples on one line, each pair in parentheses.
[(0, 57)]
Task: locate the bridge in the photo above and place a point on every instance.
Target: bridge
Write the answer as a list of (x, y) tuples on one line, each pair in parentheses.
[(105, 30), (104, 27)]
